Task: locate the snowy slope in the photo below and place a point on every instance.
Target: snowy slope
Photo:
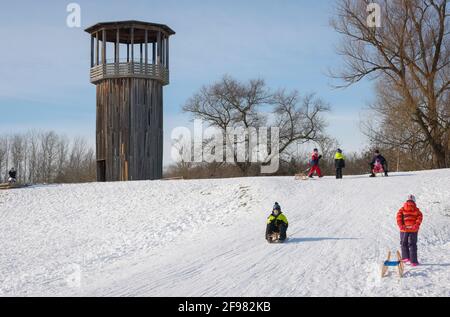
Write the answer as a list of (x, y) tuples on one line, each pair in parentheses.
[(206, 238)]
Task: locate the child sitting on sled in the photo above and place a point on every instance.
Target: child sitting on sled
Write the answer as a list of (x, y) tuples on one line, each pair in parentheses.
[(378, 165), (277, 223)]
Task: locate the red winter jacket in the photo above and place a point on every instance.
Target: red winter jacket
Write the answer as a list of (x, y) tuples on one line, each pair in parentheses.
[(315, 159), (409, 217)]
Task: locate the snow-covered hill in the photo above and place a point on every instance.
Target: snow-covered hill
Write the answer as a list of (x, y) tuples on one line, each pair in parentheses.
[(206, 238)]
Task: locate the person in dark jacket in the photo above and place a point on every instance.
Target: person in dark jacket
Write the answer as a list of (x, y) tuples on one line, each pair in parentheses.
[(378, 158), (12, 175), (339, 163), (277, 223)]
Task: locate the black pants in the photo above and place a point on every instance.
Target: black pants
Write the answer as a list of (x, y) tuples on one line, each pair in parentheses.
[(281, 229), (338, 173), (408, 241)]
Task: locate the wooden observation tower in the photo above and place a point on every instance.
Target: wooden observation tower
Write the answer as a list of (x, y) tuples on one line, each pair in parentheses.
[(129, 66)]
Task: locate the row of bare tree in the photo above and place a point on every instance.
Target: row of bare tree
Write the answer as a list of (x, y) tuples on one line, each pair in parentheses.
[(46, 157)]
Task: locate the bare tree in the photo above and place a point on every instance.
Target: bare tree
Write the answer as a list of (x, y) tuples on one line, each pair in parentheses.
[(183, 164), (49, 141), (62, 150), (390, 128), (410, 54), (229, 104), (33, 157), (300, 120), (89, 166), (81, 165), (4, 152), (18, 154)]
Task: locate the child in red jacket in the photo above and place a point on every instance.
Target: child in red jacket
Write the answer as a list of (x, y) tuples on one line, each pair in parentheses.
[(314, 163), (409, 219)]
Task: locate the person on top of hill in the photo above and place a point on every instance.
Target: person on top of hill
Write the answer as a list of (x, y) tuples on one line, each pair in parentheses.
[(339, 163), (409, 219), (12, 175), (314, 163), (277, 223), (378, 163)]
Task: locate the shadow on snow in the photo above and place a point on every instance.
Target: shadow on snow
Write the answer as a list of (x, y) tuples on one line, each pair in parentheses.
[(319, 239)]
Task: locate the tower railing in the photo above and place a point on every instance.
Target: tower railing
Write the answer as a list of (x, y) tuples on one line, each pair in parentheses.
[(127, 69)]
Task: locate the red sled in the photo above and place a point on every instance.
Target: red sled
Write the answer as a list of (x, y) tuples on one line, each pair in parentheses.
[(378, 168)]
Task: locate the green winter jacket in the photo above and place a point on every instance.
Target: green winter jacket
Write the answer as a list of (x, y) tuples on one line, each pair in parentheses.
[(281, 217), (339, 156), (339, 160)]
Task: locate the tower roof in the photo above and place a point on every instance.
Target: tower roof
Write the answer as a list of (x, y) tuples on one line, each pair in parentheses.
[(139, 27)]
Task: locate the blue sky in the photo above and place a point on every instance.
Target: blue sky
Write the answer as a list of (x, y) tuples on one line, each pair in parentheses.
[(45, 65)]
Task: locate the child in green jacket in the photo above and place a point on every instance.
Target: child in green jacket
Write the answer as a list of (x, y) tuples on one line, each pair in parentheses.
[(277, 223)]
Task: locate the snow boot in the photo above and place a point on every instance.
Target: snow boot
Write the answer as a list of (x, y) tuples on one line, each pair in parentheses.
[(406, 260), (414, 264)]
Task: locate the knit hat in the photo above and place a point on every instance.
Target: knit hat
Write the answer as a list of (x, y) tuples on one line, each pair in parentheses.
[(277, 207), (339, 150), (412, 198)]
